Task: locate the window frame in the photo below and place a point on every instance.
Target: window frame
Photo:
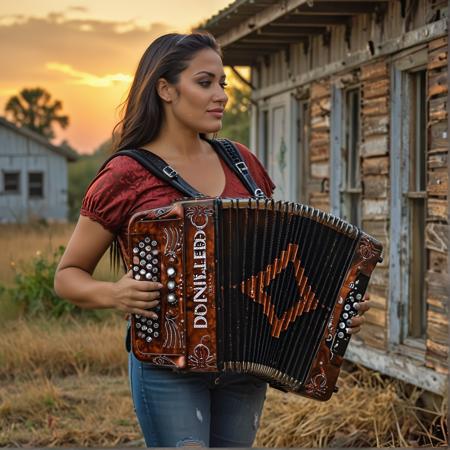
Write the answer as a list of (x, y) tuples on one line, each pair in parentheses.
[(30, 187), (399, 338), (12, 172)]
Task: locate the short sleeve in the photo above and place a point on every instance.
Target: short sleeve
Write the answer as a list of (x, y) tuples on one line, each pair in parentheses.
[(111, 194), (258, 171)]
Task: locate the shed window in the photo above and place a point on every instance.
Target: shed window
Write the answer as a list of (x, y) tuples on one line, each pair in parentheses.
[(351, 178), (36, 184), (417, 204), (11, 182)]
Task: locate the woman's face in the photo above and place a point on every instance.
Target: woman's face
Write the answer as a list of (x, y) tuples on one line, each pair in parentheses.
[(199, 97)]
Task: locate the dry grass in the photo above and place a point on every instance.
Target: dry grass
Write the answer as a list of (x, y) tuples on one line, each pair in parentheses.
[(60, 348), (20, 243), (76, 411), (66, 385), (369, 411)]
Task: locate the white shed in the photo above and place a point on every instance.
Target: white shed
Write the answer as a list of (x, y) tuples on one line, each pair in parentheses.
[(33, 176)]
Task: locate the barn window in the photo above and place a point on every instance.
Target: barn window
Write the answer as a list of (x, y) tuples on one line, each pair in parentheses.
[(11, 182), (36, 184), (351, 179), (417, 204)]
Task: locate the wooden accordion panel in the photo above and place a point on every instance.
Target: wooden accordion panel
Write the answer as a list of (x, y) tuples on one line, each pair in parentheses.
[(253, 286)]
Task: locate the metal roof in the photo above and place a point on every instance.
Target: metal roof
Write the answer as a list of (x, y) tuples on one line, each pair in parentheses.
[(24, 131), (247, 29)]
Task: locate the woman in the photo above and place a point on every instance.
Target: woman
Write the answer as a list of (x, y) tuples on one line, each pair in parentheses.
[(177, 96)]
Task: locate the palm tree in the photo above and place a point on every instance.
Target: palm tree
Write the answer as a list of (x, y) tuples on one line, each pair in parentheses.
[(34, 109)]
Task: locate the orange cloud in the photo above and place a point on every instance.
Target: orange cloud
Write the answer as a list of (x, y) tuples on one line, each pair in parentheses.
[(88, 79)]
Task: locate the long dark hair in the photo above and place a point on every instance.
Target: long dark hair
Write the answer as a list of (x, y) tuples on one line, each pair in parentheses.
[(142, 111)]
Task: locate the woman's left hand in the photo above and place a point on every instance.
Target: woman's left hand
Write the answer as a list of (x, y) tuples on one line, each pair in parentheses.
[(358, 320)]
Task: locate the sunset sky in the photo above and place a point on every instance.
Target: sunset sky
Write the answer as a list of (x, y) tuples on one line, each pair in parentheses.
[(85, 53)]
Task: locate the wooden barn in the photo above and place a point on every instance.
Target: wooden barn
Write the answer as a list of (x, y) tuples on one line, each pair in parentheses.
[(33, 176), (349, 114)]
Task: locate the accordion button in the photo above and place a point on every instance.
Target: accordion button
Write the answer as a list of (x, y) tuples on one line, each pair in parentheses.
[(144, 327), (135, 269), (135, 250), (342, 325), (157, 308), (149, 339), (155, 279), (148, 248), (345, 316), (148, 276), (137, 277), (154, 243), (138, 325), (148, 257), (142, 272), (170, 271), (155, 252), (147, 240), (141, 245), (171, 298), (155, 334), (142, 254), (171, 285), (149, 266), (154, 261), (340, 334), (155, 270), (347, 307), (156, 325), (358, 297), (142, 262), (149, 322)]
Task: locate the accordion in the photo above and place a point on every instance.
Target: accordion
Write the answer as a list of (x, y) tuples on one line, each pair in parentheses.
[(251, 285)]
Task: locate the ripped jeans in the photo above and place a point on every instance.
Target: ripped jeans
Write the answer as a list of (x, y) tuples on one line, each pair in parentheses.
[(176, 409)]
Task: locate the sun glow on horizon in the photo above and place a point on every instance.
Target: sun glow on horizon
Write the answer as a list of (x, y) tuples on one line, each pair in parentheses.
[(88, 79)]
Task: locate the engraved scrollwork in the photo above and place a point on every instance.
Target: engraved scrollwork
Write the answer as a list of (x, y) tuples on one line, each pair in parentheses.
[(173, 338), (162, 360), (366, 248), (202, 357), (198, 215), (317, 385), (174, 237)]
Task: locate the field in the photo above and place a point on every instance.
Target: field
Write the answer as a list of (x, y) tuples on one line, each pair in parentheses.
[(64, 383)]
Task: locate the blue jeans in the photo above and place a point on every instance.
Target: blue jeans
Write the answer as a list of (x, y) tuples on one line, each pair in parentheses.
[(177, 409)]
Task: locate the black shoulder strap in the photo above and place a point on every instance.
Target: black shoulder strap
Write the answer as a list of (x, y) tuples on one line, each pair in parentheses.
[(158, 167), (231, 155)]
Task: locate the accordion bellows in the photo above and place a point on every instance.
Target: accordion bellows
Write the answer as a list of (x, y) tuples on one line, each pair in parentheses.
[(251, 286)]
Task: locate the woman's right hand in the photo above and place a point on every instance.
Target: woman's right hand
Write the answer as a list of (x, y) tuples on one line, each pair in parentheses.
[(136, 297)]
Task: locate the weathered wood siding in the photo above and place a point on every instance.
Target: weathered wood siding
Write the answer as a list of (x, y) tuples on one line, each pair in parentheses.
[(375, 82), (364, 29), (437, 221), (319, 145), (22, 154), (374, 76)]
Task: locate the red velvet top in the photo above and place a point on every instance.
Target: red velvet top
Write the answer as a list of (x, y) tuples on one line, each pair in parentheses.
[(124, 187)]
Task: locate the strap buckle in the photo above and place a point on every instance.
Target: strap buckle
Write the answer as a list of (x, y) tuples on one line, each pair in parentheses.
[(259, 193), (168, 171), (242, 167)]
